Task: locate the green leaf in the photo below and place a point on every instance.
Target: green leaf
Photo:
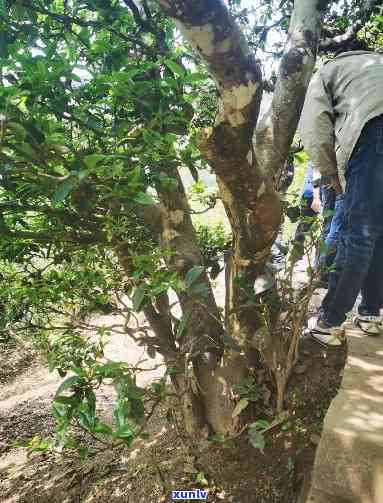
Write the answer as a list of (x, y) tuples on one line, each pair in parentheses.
[(67, 384), (86, 421), (120, 413), (193, 274), (194, 78), (63, 190), (256, 439), (92, 160), (175, 67), (218, 438), (84, 173), (183, 324), (201, 479), (91, 399), (143, 198), (72, 401), (138, 297), (102, 428), (27, 150), (241, 405), (126, 432), (18, 129), (261, 424)]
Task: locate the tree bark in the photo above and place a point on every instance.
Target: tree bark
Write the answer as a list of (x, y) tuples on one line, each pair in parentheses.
[(246, 175)]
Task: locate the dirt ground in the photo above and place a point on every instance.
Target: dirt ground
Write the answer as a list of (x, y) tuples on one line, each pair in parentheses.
[(147, 473), (231, 472)]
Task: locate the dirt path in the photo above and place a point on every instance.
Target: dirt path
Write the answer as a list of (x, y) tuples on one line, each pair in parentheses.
[(25, 412), (25, 402)]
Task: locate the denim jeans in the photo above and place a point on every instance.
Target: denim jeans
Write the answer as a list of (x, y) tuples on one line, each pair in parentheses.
[(333, 235), (359, 258), (328, 199)]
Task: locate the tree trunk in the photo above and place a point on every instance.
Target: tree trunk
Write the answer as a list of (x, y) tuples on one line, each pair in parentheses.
[(246, 177)]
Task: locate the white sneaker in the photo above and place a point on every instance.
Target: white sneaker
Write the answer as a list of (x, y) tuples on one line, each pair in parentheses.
[(370, 325), (327, 336), (327, 339)]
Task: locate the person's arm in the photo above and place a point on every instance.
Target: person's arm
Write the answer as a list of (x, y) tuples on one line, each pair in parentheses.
[(336, 185), (316, 127)]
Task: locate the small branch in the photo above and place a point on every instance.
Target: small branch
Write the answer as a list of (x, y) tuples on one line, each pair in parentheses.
[(41, 237), (340, 42), (136, 14), (65, 19), (265, 31), (209, 207), (97, 439)]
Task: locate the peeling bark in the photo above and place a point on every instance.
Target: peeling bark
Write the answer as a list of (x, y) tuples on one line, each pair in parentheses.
[(246, 176), (179, 236), (210, 401), (275, 133)]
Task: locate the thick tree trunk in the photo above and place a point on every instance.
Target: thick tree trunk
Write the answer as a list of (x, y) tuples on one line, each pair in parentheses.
[(163, 340), (246, 179), (203, 342), (206, 379)]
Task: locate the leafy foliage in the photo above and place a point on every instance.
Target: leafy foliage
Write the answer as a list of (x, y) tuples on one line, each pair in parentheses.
[(100, 104)]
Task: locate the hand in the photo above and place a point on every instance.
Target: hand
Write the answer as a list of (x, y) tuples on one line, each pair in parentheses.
[(316, 205), (335, 184)]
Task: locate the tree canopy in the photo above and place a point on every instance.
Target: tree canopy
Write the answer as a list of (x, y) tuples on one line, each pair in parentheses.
[(102, 102)]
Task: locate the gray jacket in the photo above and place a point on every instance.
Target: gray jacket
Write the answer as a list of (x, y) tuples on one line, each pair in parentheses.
[(342, 97)]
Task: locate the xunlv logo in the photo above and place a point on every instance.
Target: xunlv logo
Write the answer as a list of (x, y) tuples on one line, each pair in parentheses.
[(197, 494)]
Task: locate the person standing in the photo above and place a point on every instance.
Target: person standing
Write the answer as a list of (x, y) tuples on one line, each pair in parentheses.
[(330, 239), (342, 130), (310, 205)]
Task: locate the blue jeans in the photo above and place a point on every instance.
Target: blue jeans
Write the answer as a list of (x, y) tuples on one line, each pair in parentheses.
[(359, 258), (328, 199), (333, 235)]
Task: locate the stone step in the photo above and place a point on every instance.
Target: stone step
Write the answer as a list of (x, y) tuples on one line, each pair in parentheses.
[(349, 460)]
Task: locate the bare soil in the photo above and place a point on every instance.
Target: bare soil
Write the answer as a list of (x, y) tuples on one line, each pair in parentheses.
[(14, 358), (233, 471)]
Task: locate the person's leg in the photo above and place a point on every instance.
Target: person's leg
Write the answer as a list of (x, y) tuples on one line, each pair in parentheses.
[(368, 317), (328, 197), (372, 289), (331, 242), (363, 209), (338, 264), (358, 248)]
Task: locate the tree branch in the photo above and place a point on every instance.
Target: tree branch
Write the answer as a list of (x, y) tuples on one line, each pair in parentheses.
[(66, 19), (214, 34), (178, 234), (137, 15), (340, 42), (275, 133), (42, 237)]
